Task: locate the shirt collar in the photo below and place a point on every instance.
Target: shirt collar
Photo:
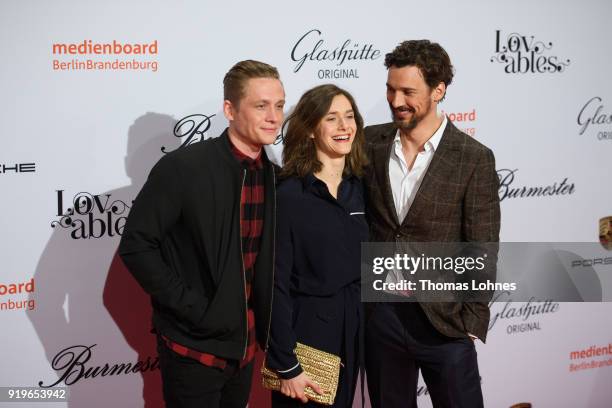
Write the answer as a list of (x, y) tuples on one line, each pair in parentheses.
[(433, 142), (246, 161), (310, 180)]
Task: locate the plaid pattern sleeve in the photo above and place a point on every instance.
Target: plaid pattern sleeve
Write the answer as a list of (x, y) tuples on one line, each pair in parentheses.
[(251, 225)]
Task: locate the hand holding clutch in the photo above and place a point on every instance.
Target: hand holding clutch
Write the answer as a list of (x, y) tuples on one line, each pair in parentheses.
[(320, 367), (295, 387)]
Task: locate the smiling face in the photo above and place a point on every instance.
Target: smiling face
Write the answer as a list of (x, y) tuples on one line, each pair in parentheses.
[(256, 119), (336, 131), (410, 99)]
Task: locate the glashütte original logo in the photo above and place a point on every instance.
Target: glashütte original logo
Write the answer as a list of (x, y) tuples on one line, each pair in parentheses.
[(507, 190), (111, 56), (464, 120), (312, 47), (91, 216), (593, 114), (522, 54), (527, 313)]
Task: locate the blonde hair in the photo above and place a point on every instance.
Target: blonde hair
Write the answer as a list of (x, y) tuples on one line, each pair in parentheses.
[(235, 80)]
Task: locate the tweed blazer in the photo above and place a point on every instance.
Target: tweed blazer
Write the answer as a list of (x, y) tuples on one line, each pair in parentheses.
[(457, 201)]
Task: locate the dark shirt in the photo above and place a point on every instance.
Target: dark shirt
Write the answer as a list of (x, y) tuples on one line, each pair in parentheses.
[(318, 246)]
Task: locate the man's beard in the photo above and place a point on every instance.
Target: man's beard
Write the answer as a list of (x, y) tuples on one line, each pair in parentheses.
[(406, 125), (411, 123)]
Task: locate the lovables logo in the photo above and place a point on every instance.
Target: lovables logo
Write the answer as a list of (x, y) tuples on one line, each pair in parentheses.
[(523, 54), (91, 216)]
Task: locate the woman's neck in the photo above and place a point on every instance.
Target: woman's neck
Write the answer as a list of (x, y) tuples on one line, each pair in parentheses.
[(331, 173)]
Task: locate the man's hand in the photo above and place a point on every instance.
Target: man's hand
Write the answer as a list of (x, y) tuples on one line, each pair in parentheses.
[(294, 388)]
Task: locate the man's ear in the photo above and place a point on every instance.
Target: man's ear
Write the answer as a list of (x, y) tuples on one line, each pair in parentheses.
[(439, 92), (228, 110)]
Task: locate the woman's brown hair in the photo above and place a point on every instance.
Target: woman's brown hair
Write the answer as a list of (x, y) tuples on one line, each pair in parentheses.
[(299, 151)]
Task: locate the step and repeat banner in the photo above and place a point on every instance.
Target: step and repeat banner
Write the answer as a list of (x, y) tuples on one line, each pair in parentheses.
[(94, 93)]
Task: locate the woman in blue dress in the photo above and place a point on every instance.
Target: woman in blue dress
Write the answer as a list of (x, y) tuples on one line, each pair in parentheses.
[(320, 226)]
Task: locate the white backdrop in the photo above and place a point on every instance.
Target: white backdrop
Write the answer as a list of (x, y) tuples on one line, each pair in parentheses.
[(69, 133)]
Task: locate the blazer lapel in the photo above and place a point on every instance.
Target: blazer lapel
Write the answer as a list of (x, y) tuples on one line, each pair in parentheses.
[(382, 154)]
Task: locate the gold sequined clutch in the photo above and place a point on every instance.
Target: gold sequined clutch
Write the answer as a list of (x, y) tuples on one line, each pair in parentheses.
[(321, 367)]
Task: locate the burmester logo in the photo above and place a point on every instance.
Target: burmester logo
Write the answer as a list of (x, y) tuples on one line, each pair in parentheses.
[(88, 55), (91, 216), (523, 54), (194, 129), (337, 57), (191, 129), (72, 365), (508, 189)]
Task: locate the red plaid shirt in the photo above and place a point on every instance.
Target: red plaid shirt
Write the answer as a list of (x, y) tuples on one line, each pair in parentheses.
[(251, 224)]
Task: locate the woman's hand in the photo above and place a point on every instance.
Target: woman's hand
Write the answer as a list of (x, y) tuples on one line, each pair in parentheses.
[(294, 387)]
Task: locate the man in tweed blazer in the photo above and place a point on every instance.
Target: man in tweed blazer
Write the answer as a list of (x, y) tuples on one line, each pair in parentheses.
[(427, 182)]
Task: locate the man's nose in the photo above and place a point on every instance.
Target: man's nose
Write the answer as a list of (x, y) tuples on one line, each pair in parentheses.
[(397, 100), (274, 115)]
